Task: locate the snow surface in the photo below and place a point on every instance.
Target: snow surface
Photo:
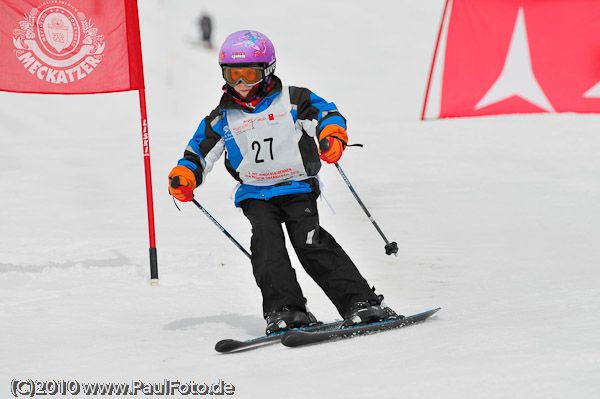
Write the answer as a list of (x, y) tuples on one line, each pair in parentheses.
[(497, 220)]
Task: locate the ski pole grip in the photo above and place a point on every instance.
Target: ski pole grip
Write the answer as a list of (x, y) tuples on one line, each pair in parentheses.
[(175, 182), (324, 144)]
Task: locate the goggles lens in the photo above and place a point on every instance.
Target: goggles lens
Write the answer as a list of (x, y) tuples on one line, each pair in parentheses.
[(251, 76)]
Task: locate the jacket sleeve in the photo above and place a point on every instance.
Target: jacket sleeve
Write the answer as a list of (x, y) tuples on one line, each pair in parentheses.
[(313, 112), (205, 147)]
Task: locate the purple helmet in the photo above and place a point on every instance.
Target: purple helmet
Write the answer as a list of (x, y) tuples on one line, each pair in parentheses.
[(248, 47)]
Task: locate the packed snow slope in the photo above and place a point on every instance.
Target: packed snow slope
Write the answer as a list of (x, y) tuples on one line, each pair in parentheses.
[(497, 220)]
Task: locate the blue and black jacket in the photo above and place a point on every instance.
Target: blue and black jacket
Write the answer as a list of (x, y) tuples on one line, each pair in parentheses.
[(310, 113)]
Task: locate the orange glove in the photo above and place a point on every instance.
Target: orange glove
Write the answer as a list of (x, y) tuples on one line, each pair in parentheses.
[(332, 142), (182, 183)]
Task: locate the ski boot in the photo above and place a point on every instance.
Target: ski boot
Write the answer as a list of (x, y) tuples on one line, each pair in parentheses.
[(366, 312), (288, 317)]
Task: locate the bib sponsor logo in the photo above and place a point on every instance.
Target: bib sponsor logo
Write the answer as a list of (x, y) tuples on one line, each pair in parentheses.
[(227, 136), (57, 43)]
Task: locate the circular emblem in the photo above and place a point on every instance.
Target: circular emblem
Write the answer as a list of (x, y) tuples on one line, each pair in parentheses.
[(57, 43), (58, 31)]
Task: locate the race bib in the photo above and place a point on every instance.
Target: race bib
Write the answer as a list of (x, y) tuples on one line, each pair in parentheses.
[(268, 143)]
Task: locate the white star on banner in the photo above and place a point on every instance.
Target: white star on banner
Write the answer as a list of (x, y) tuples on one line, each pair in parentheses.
[(517, 77), (594, 92)]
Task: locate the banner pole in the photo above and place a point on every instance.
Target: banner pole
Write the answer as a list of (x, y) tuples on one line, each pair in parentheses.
[(147, 170), (437, 43)]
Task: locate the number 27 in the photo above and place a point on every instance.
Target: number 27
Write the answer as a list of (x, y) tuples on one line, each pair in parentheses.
[(256, 146)]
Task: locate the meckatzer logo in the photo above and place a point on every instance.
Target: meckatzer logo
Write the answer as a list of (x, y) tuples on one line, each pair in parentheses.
[(57, 43)]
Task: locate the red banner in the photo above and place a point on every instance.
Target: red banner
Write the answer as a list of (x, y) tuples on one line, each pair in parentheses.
[(70, 46), (521, 56)]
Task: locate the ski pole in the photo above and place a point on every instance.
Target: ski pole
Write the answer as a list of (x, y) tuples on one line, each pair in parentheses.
[(390, 247), (237, 244), (175, 184)]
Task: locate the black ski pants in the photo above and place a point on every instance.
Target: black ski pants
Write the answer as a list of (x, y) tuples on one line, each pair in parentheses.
[(321, 256)]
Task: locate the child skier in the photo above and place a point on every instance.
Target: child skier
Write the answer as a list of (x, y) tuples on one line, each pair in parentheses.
[(268, 132)]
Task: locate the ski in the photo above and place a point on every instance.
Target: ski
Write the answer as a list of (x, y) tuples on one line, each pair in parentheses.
[(297, 338), (232, 345)]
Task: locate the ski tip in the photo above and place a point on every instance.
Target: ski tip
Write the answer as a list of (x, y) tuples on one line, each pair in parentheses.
[(428, 313), (225, 345)]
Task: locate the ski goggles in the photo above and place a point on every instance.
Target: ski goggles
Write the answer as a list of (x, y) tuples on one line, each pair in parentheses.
[(250, 75)]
